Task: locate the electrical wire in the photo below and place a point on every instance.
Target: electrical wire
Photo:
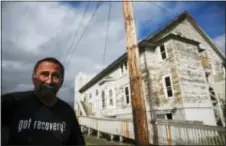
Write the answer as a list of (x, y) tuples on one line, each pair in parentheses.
[(163, 8), (60, 32), (83, 32), (76, 33), (106, 37)]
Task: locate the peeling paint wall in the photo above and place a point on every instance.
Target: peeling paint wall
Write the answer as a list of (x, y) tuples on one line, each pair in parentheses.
[(158, 68), (192, 76), (217, 75), (213, 63), (194, 86), (209, 59)]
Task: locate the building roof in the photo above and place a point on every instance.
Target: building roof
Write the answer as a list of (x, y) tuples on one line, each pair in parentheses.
[(179, 19), (152, 38)]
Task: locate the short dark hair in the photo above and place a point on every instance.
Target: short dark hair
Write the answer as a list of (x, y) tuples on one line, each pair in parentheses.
[(50, 59)]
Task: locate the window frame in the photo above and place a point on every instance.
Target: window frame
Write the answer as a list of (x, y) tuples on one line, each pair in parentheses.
[(103, 100), (168, 114), (129, 95), (165, 87), (165, 51), (111, 97), (163, 116)]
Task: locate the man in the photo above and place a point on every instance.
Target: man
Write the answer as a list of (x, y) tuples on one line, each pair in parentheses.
[(38, 117)]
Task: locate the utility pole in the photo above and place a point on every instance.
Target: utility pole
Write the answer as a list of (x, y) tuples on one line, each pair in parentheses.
[(136, 86)]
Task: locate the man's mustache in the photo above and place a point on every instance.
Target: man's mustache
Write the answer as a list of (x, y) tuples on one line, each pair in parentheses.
[(49, 87)]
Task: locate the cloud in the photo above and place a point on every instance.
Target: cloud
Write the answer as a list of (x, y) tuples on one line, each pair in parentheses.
[(220, 42)]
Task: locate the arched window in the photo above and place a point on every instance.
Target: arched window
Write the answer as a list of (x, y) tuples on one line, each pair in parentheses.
[(111, 101), (110, 97), (110, 93), (103, 99)]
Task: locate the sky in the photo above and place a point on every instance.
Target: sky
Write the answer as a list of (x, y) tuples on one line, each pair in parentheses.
[(34, 30)]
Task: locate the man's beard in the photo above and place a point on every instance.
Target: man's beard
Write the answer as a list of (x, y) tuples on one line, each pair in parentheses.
[(48, 88), (46, 92)]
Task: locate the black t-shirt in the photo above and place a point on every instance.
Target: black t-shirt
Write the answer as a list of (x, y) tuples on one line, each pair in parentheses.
[(30, 122)]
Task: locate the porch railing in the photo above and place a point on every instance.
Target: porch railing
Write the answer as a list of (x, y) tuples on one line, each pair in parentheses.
[(167, 132)]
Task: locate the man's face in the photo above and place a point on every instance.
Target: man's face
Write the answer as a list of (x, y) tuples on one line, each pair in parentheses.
[(48, 73)]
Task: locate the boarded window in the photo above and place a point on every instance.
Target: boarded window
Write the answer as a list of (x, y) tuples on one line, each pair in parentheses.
[(163, 51), (161, 116), (127, 94), (168, 87)]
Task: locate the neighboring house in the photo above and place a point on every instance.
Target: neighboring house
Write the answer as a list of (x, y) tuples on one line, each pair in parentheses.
[(183, 74), (81, 80)]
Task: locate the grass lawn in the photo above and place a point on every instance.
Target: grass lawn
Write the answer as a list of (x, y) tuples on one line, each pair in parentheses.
[(93, 140)]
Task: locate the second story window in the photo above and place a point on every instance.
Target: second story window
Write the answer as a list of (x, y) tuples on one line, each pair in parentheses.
[(163, 51), (168, 86)]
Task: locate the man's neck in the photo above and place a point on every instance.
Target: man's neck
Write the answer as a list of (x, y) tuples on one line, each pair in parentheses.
[(47, 100)]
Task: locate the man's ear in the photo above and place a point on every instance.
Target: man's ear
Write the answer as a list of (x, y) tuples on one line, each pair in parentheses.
[(62, 82), (33, 79)]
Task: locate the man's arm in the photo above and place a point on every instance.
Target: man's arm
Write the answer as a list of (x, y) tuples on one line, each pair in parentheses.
[(76, 137), (7, 109)]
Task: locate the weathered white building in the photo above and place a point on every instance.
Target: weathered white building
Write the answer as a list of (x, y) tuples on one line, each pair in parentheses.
[(183, 74)]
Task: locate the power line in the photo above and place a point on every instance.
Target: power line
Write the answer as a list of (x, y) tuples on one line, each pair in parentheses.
[(61, 31), (81, 36), (75, 34), (163, 8), (67, 61), (106, 37)]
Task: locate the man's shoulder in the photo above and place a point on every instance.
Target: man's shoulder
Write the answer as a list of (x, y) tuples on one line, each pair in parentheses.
[(20, 95), (65, 105)]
